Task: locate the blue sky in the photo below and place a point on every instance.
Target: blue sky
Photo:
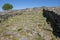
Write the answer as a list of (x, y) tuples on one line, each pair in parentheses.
[(21, 4)]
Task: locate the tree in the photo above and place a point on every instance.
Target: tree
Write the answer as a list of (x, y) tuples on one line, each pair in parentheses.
[(7, 6)]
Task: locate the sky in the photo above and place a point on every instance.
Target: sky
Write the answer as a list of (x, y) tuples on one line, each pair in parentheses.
[(22, 4)]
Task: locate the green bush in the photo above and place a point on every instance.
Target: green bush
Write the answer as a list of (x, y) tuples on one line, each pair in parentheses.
[(7, 6)]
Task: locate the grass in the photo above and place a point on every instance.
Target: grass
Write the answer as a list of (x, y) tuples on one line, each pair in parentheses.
[(24, 22)]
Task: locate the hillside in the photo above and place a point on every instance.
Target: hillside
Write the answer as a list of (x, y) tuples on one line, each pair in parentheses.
[(28, 24)]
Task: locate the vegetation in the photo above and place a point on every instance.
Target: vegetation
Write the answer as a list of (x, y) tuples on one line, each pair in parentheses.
[(29, 25), (7, 6)]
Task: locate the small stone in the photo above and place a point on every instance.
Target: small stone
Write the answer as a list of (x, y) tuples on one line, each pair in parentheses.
[(11, 36), (24, 38)]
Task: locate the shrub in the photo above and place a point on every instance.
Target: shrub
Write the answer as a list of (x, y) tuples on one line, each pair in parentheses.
[(7, 6)]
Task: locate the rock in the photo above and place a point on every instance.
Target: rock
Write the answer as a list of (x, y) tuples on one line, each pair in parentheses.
[(30, 24)]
